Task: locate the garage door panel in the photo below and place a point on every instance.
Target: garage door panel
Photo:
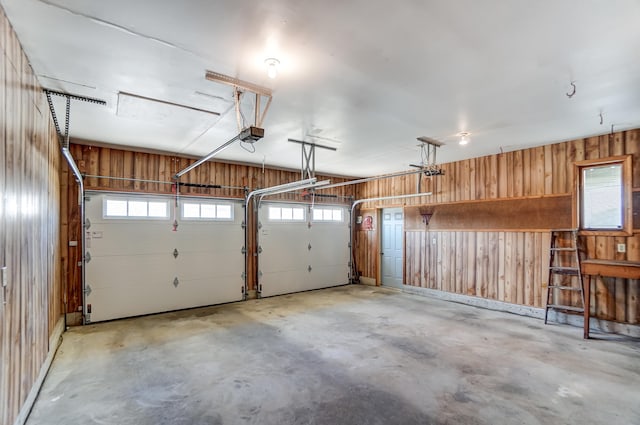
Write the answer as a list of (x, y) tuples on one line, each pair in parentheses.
[(149, 298), (283, 247), (330, 275), (197, 292), (218, 240), (220, 267), (286, 257), (130, 238), (284, 282), (133, 268), (272, 259), (121, 272), (327, 255)]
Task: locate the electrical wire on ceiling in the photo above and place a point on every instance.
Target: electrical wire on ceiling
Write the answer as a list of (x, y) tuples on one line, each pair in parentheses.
[(237, 96), (249, 147), (424, 155), (573, 92), (241, 120)]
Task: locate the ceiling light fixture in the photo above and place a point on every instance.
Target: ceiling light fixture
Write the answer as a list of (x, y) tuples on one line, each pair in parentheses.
[(272, 67), (464, 138)]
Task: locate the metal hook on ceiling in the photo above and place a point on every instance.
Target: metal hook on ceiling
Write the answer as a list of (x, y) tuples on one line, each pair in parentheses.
[(573, 91)]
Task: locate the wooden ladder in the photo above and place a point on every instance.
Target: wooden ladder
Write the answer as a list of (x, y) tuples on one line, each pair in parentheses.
[(570, 268)]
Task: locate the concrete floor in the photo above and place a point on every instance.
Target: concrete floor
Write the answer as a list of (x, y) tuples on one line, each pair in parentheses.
[(348, 355)]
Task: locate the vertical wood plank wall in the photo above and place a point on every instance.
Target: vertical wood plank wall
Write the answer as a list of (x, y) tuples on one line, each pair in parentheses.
[(105, 161), (29, 225), (505, 264)]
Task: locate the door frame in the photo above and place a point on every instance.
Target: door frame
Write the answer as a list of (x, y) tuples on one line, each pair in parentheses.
[(379, 244)]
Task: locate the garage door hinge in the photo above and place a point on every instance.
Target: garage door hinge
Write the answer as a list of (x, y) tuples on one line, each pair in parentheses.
[(175, 253), (87, 257), (349, 245), (87, 223), (87, 290), (176, 282), (309, 225), (309, 268), (243, 276), (309, 247), (259, 225), (259, 250), (259, 274), (243, 250), (243, 225)]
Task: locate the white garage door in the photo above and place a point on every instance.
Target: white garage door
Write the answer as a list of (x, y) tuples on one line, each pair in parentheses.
[(137, 264), (302, 248)]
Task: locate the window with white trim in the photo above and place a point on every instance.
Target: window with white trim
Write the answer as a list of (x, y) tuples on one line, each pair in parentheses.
[(327, 214), (197, 210), (282, 213), (135, 208), (604, 195)]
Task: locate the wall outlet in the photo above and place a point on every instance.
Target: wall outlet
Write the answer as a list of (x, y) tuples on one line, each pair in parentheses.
[(622, 247)]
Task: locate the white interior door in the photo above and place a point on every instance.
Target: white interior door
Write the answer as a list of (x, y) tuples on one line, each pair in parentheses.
[(139, 265), (298, 253), (392, 247)]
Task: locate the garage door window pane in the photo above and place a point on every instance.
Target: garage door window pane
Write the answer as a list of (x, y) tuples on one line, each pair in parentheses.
[(327, 214), (190, 210), (116, 208), (602, 197), (207, 211), (287, 213), (298, 214), (137, 209), (224, 211), (158, 209), (274, 213)]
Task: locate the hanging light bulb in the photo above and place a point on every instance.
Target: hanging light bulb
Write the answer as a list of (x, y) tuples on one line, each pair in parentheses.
[(272, 67), (464, 138)]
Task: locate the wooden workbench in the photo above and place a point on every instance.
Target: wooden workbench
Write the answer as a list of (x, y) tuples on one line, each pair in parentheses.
[(605, 268)]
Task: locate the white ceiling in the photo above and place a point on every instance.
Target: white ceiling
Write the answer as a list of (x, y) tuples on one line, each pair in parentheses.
[(368, 77)]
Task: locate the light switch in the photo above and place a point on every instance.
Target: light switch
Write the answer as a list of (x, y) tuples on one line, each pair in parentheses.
[(622, 247)]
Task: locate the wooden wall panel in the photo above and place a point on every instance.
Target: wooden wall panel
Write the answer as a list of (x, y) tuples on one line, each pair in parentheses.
[(487, 247), (29, 226), (495, 265), (129, 170)]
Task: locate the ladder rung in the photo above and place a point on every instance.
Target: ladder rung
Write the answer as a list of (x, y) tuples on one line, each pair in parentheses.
[(564, 270), (565, 288), (563, 249), (565, 307)]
